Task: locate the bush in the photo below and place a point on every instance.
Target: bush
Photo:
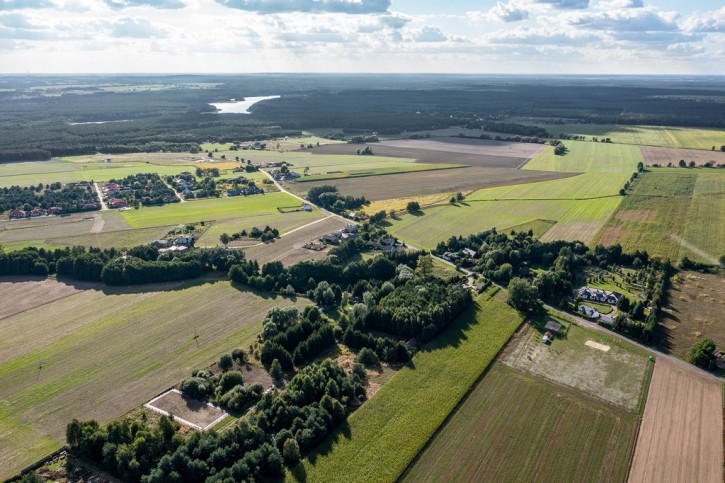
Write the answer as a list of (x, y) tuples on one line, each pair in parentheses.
[(225, 362), (239, 355), (229, 380), (368, 357), (701, 352)]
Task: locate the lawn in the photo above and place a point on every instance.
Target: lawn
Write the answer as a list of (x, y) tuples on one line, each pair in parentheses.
[(589, 157), (671, 212), (513, 427), (361, 173), (106, 351), (576, 220), (218, 208), (380, 439)]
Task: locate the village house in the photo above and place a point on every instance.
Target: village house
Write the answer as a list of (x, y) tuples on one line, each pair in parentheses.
[(184, 240), (171, 199), (55, 210), (89, 206), (469, 253), (450, 255), (233, 192), (17, 214), (598, 295), (587, 311), (333, 237), (83, 183), (350, 228), (175, 249), (160, 243), (38, 212), (115, 203), (306, 206)]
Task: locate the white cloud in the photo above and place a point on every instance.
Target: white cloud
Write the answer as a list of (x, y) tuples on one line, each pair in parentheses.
[(616, 4), (541, 36), (140, 28), (17, 21), (709, 22), (565, 4), (625, 20), (337, 6), (118, 4), (429, 34), (507, 12)]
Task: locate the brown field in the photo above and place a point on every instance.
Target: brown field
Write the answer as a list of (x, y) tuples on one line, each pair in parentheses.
[(18, 294), (663, 156), (289, 250), (681, 436), (489, 154), (187, 408), (696, 310), (391, 186), (638, 215)]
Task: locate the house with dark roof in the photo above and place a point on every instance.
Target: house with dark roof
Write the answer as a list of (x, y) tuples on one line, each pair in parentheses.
[(598, 295)]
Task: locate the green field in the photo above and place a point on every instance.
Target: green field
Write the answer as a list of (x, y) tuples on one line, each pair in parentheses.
[(538, 227), (218, 209), (106, 351), (672, 213), (381, 438), (669, 137), (118, 239), (513, 427), (361, 173), (588, 185), (589, 157), (576, 220), (282, 221)]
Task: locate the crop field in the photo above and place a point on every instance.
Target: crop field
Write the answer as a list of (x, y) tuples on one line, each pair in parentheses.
[(118, 239), (288, 249), (399, 204), (63, 360), (282, 221), (583, 186), (579, 220), (663, 156), (539, 227), (615, 376), (695, 310), (671, 137), (473, 152), (18, 294), (671, 213), (513, 427), (589, 157), (361, 173), (431, 182), (380, 439), (218, 208), (681, 436)]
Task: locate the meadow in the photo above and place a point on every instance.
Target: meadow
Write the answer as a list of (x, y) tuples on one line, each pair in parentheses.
[(513, 427), (63, 360), (380, 439), (577, 220), (672, 213), (589, 157), (217, 208)]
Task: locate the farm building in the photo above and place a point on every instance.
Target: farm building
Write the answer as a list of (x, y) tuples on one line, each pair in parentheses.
[(598, 295)]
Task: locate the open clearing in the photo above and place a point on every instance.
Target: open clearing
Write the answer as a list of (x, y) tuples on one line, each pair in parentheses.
[(186, 409), (616, 376), (681, 437), (431, 182), (663, 156), (513, 427), (288, 249), (380, 439), (589, 157), (576, 220), (695, 310), (672, 213), (63, 360)]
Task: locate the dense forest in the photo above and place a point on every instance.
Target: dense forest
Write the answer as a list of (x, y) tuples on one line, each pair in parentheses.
[(44, 116)]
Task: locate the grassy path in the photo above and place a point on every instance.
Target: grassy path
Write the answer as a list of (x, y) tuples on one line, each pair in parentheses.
[(381, 438)]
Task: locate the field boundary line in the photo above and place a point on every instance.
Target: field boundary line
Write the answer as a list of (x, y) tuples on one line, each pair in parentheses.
[(460, 402), (150, 405), (643, 401)]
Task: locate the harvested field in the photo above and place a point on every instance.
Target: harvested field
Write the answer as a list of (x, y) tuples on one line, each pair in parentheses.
[(289, 250), (681, 436), (479, 153), (186, 409), (364, 173), (514, 427), (63, 360), (589, 157), (583, 186), (18, 294), (282, 221), (432, 182), (663, 156), (695, 310), (574, 359), (118, 239)]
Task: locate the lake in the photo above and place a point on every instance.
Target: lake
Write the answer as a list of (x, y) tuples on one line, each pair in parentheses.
[(239, 107)]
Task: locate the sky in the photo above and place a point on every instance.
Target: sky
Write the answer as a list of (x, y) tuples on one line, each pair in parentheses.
[(363, 36)]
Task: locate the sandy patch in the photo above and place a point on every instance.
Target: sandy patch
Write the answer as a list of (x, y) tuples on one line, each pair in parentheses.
[(597, 345)]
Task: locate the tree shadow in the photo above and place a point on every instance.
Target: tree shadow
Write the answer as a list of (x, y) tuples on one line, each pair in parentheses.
[(417, 213)]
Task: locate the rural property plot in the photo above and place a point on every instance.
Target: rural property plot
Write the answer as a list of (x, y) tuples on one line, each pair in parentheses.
[(513, 427), (681, 437), (663, 156), (99, 353), (187, 410)]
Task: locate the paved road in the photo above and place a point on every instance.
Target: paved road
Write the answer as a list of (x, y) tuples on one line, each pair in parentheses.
[(104, 207)]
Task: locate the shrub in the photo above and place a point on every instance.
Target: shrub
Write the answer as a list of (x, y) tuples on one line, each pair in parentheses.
[(701, 352), (368, 357), (229, 380), (225, 362), (238, 355)]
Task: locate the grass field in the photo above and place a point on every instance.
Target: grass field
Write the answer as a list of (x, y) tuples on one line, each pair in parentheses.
[(282, 221), (379, 440), (672, 212), (588, 185), (362, 173), (538, 227), (576, 220), (219, 209), (589, 157), (616, 376), (87, 374), (695, 310), (118, 239), (513, 427)]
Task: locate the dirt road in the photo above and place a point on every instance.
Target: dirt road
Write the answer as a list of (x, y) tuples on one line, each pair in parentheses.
[(681, 437), (104, 207)]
